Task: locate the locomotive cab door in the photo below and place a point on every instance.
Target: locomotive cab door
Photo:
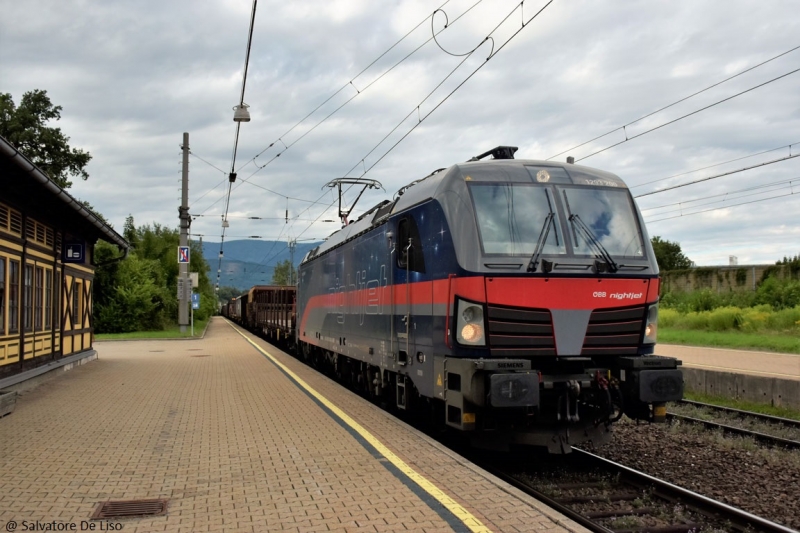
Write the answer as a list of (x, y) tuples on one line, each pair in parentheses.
[(413, 298)]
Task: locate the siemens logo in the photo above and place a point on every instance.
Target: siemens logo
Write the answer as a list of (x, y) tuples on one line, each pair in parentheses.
[(510, 365)]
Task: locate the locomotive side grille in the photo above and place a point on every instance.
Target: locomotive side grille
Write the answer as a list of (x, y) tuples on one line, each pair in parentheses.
[(614, 331), (520, 332)]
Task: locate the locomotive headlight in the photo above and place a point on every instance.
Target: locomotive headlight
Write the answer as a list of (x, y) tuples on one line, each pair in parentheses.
[(472, 333), (651, 325), (469, 324)]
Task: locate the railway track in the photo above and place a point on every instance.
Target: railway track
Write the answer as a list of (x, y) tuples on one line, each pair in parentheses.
[(604, 496), (763, 436)]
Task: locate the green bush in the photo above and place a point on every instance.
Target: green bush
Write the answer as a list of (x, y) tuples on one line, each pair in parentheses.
[(694, 320), (780, 294), (785, 319), (755, 318), (667, 317), (703, 300), (725, 319), (706, 300)]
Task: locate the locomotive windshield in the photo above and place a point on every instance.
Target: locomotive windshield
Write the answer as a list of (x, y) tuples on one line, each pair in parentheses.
[(609, 216), (512, 216)]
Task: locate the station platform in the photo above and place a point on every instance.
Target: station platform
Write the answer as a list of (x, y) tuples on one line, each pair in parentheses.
[(236, 436), (750, 362)]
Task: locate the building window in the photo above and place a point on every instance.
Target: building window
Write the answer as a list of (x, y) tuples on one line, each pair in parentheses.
[(27, 298), (2, 295), (76, 305), (13, 296), (10, 220), (37, 232), (48, 299), (38, 299)]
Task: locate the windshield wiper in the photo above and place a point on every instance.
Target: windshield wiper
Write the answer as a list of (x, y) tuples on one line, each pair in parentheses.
[(547, 266), (592, 240)]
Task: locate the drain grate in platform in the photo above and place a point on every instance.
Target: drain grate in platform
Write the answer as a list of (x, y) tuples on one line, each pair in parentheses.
[(129, 508)]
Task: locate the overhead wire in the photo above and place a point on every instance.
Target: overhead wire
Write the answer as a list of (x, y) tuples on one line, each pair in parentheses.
[(623, 127), (350, 83), (366, 170), (665, 189), (212, 166), (688, 115), (358, 93), (236, 138), (246, 180), (686, 203), (721, 207), (206, 162), (421, 117), (789, 146), (494, 52)]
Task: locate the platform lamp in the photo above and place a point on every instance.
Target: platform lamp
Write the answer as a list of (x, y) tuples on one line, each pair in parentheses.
[(240, 113)]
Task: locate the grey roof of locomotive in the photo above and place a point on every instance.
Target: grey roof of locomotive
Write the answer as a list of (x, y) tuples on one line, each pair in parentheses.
[(452, 180)]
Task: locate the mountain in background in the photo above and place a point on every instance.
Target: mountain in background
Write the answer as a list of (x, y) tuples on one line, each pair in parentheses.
[(250, 262)]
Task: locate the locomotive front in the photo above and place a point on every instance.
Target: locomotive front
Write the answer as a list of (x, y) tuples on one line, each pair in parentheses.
[(515, 300), (553, 306)]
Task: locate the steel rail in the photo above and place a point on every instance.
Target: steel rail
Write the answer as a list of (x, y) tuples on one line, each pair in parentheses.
[(760, 437), (761, 416), (663, 490), (702, 504), (550, 502)]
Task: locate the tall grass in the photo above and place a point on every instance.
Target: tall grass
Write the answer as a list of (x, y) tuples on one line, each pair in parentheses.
[(761, 318)]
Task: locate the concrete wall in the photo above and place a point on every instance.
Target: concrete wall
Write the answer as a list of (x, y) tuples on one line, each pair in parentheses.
[(778, 392), (721, 278)]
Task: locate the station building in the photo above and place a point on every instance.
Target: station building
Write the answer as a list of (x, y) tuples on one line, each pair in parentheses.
[(47, 240)]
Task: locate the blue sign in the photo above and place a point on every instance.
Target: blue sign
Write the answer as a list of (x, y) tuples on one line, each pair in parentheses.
[(195, 300), (183, 254), (73, 252)]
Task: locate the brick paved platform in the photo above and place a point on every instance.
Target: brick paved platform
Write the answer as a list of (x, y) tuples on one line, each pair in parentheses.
[(222, 432)]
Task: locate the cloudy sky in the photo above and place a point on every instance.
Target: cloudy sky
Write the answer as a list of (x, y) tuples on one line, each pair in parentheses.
[(133, 76)]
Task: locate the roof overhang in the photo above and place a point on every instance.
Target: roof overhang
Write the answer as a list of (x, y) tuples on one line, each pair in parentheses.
[(33, 190)]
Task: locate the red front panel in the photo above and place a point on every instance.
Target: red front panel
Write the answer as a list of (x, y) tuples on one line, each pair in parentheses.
[(569, 293)]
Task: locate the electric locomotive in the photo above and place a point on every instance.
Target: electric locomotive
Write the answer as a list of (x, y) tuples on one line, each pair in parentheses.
[(516, 300)]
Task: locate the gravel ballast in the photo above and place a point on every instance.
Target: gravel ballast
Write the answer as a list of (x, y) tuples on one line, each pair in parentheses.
[(761, 481)]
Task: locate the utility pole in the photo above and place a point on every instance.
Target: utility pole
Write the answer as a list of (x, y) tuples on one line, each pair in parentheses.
[(184, 283), (292, 245)]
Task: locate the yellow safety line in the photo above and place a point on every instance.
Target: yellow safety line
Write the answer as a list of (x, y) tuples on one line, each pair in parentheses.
[(462, 514)]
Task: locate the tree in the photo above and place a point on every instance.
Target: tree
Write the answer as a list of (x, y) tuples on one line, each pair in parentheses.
[(25, 128), (669, 255), (136, 301), (140, 292), (280, 276), (129, 232), (226, 293)]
